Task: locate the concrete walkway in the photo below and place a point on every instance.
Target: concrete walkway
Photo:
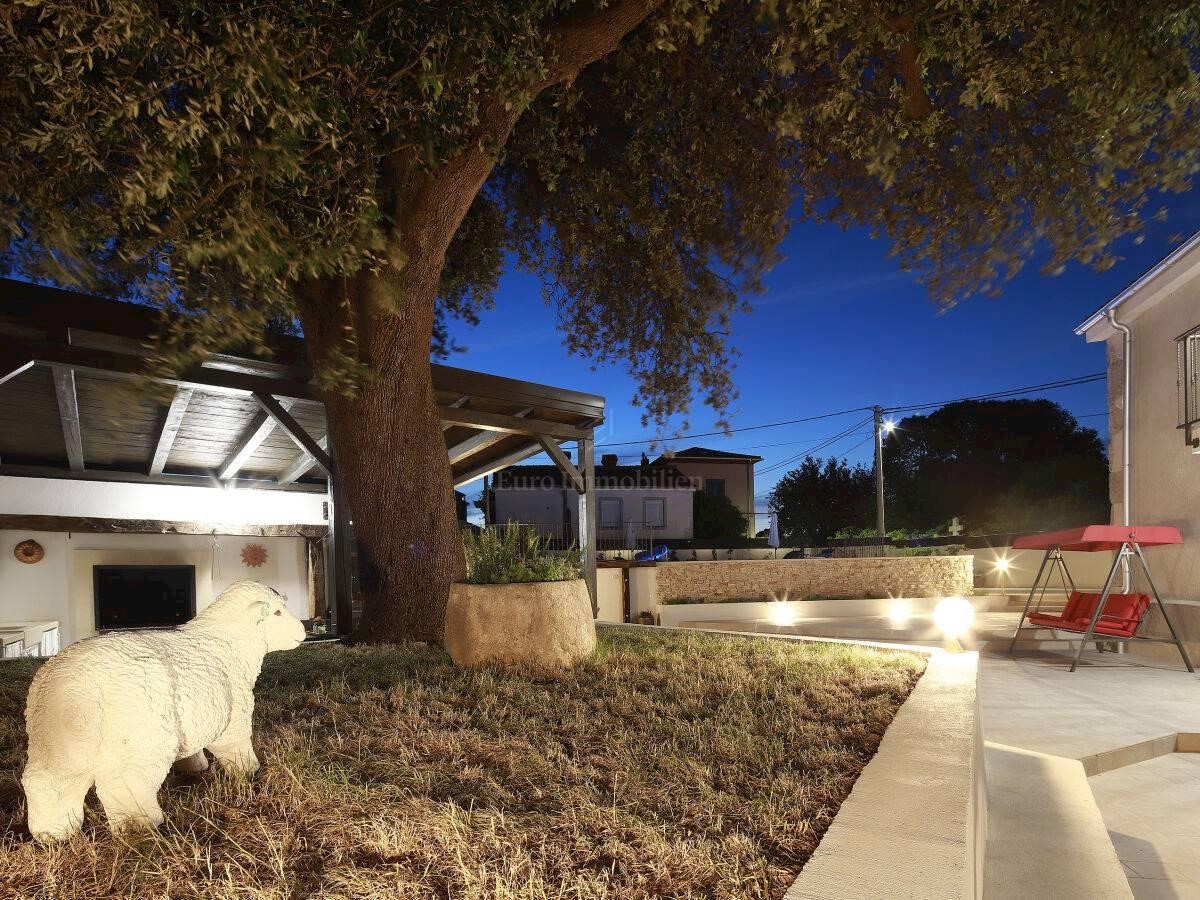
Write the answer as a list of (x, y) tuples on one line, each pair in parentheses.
[(1116, 719)]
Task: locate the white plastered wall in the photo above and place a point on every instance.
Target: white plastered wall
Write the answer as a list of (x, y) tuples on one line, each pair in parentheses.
[(60, 586)]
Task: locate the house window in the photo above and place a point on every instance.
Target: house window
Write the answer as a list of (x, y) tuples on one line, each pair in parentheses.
[(654, 512), (714, 487), (1188, 384), (610, 512)]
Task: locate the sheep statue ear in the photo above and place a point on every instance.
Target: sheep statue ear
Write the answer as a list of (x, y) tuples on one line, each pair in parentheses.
[(260, 609)]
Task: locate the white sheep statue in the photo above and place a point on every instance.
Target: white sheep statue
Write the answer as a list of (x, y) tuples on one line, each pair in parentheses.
[(118, 710)]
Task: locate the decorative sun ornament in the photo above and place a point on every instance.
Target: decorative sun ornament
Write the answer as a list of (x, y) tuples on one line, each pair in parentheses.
[(254, 555), (29, 552)]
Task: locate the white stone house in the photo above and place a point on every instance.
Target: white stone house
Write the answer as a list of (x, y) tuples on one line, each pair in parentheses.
[(1152, 333), (652, 502)]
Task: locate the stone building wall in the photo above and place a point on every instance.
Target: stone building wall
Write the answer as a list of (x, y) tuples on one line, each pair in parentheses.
[(768, 579)]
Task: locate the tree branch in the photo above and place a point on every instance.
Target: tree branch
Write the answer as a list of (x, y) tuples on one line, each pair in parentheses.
[(917, 100), (582, 39)]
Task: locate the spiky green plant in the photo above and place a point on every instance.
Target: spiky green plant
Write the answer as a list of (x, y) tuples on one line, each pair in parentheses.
[(516, 553)]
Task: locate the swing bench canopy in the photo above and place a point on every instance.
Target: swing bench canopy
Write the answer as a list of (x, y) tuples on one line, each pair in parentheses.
[(1097, 538)]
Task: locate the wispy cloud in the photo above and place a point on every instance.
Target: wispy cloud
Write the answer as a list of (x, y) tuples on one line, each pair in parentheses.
[(850, 285)]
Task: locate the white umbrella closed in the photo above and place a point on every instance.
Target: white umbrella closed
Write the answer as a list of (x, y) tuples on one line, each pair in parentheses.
[(773, 533), (630, 535)]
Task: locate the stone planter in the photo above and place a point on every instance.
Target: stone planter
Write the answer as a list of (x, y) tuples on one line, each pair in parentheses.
[(543, 623)]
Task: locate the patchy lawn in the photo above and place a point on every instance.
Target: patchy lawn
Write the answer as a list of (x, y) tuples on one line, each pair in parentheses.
[(670, 765)]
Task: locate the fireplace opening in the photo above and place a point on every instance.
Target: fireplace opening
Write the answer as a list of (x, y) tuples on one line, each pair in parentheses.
[(143, 596)]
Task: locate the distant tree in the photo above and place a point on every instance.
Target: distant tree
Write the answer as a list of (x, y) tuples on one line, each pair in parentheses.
[(366, 168), (716, 517), (999, 465), (818, 499)]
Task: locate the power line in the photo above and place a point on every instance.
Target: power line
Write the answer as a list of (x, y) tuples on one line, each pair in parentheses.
[(680, 437), (821, 445), (1049, 385)]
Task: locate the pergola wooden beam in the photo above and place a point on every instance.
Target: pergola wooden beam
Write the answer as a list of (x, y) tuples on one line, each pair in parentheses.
[(494, 465), (563, 462), (456, 404), (68, 413), (96, 525), (256, 432), (170, 429), (301, 464), (122, 365), (302, 438), (476, 442), (11, 368), (485, 421)]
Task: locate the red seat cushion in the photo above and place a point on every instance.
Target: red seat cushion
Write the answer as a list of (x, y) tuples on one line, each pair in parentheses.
[(1048, 621), (1121, 617)]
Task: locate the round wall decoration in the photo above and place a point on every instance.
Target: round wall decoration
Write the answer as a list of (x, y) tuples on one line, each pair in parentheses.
[(29, 552), (254, 555)]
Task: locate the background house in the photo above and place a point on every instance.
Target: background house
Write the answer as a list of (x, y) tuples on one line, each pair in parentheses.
[(651, 500), (1162, 313), (719, 473)]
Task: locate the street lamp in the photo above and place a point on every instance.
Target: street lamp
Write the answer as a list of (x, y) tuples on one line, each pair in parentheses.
[(882, 427)]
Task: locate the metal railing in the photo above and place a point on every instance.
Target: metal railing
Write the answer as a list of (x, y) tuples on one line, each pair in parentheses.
[(632, 536)]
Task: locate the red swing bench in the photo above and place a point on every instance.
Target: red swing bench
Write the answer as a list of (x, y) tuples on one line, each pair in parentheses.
[(1106, 615)]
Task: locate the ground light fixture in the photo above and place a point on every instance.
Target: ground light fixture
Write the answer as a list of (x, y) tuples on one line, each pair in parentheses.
[(899, 612), (1003, 565), (782, 613), (954, 617)]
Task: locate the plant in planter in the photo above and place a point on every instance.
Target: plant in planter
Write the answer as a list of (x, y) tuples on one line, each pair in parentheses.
[(520, 603)]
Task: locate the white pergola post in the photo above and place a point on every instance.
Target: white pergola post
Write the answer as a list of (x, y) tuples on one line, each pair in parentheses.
[(587, 515), (582, 477)]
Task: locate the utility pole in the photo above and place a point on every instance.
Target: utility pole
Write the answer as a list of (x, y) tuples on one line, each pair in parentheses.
[(879, 475)]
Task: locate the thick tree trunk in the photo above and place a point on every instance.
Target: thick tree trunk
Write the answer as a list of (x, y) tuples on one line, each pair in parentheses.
[(389, 451), (387, 434)]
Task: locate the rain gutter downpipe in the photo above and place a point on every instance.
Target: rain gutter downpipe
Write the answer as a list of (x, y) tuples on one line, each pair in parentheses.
[(1127, 356)]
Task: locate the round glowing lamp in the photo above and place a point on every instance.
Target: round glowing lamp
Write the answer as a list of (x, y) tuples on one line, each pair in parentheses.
[(1002, 565), (899, 612), (954, 616), (782, 614)]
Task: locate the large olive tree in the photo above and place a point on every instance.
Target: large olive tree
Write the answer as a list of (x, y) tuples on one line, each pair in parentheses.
[(364, 167)]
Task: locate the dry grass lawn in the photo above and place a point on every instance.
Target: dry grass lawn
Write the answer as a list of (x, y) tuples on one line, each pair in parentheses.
[(670, 765)]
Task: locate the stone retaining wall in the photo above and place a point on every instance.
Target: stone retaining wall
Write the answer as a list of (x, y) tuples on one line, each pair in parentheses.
[(767, 579)]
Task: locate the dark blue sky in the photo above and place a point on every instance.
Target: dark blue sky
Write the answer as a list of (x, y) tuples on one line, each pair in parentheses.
[(841, 326)]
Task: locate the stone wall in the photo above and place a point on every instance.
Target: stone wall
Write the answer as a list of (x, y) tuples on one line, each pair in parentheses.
[(767, 579)]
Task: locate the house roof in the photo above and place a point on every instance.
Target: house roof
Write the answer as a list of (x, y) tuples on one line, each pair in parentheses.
[(652, 477), (1156, 284), (706, 453), (67, 360)]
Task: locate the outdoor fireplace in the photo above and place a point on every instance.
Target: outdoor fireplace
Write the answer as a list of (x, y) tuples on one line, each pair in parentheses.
[(133, 596)]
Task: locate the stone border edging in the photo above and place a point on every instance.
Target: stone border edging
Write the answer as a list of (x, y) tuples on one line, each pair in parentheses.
[(915, 823)]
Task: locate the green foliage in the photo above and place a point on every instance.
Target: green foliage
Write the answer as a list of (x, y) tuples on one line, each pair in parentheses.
[(1000, 465), (817, 502), (949, 550), (516, 554), (716, 517), (250, 161)]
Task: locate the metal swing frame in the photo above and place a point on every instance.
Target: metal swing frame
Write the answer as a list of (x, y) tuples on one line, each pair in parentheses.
[(1129, 549)]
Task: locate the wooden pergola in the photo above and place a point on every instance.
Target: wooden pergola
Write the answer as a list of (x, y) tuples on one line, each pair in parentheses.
[(68, 361)]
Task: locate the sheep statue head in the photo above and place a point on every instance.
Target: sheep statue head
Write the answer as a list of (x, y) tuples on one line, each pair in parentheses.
[(254, 605), (118, 710)]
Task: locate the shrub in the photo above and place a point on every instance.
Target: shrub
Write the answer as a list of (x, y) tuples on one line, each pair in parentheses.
[(517, 554)]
